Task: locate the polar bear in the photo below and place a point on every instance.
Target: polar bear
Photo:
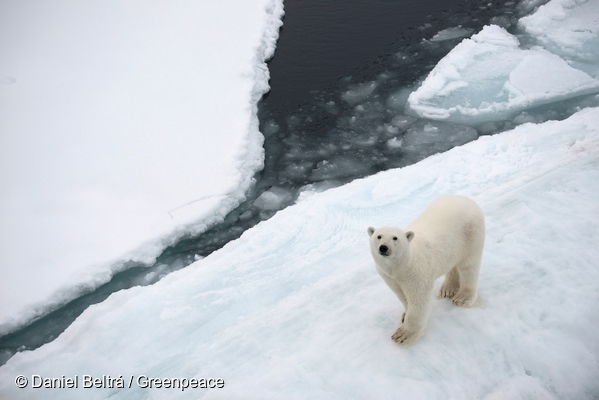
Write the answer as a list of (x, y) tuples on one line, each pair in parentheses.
[(446, 239)]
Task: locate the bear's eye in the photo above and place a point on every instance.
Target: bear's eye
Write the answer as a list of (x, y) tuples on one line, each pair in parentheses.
[(394, 237), (379, 236)]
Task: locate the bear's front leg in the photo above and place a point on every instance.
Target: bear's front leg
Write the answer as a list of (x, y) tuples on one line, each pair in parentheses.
[(406, 336), (413, 324)]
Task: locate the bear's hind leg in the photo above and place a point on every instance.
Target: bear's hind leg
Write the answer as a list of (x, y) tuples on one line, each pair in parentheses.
[(468, 272), (450, 285)]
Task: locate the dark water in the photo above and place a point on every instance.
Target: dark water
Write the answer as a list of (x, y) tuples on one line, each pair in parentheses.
[(324, 40), (339, 79)]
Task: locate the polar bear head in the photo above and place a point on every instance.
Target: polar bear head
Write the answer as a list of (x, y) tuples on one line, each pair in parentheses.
[(387, 243)]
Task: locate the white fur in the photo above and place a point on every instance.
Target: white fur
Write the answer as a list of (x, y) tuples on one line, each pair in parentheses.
[(446, 239)]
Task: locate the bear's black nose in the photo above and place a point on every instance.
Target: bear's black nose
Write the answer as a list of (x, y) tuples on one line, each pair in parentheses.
[(383, 249)]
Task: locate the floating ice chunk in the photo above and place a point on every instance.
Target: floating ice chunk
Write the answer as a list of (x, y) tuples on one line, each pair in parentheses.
[(397, 100), (402, 121), (451, 33), (394, 143), (489, 78), (364, 140), (331, 107), (526, 6), (247, 214), (503, 21), (357, 93), (339, 167), (317, 187), (425, 138), (569, 28), (297, 170), (270, 128), (274, 198), (524, 118), (293, 121), (300, 153), (425, 26), (403, 58), (488, 128)]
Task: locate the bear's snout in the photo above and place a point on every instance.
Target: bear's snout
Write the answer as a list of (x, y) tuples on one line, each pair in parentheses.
[(383, 250)]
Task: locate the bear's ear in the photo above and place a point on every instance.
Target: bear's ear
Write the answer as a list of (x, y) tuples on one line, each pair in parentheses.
[(370, 230), (409, 235)]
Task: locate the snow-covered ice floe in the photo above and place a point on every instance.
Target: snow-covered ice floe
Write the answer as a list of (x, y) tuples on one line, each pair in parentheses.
[(568, 28), (122, 126), (492, 76), (295, 308)]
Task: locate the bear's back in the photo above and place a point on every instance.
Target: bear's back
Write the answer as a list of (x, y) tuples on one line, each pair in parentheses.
[(447, 212), (448, 231)]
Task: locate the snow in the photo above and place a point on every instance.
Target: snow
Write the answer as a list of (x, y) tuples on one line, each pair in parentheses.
[(122, 127), (492, 76), (295, 308)]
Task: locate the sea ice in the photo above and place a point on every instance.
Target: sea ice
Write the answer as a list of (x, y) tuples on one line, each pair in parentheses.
[(359, 92), (294, 308), (339, 167), (450, 33), (490, 77), (397, 100), (426, 138), (122, 128), (274, 198), (317, 187), (569, 28)]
